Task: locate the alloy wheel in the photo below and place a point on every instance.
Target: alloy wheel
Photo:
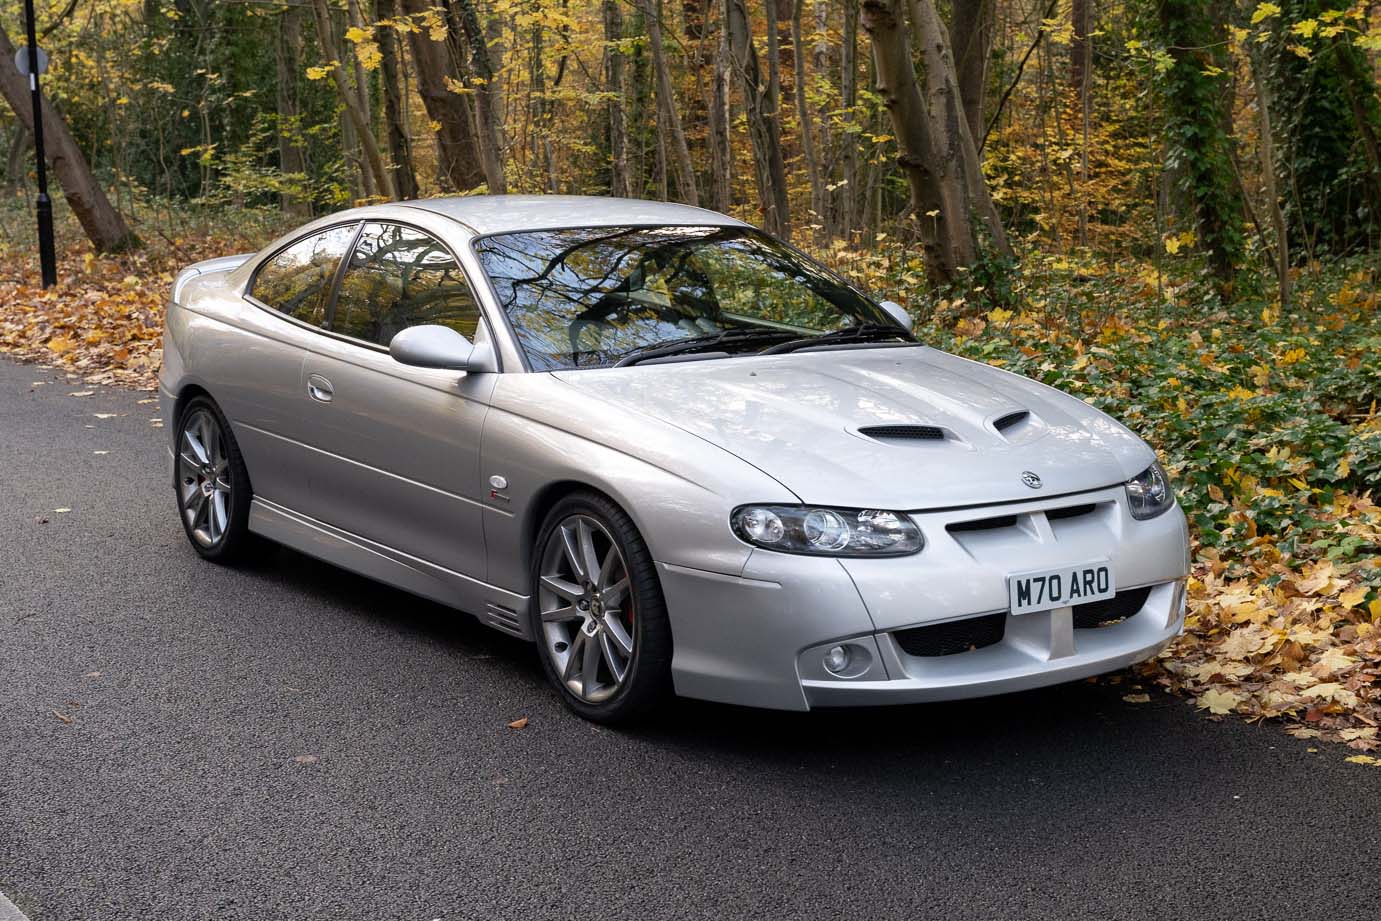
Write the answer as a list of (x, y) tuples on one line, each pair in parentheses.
[(587, 616), (204, 483)]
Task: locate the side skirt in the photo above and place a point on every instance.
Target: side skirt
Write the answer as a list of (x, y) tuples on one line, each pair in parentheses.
[(502, 609)]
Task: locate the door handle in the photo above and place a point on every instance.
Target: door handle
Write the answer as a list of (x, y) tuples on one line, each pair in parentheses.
[(319, 388)]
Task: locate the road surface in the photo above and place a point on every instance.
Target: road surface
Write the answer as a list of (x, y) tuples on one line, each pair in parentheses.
[(288, 741)]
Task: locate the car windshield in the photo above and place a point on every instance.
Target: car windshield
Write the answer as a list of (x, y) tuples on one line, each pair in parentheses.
[(595, 296)]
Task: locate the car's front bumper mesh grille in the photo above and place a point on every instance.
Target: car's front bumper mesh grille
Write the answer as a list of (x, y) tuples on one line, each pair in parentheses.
[(953, 636), (1111, 610)]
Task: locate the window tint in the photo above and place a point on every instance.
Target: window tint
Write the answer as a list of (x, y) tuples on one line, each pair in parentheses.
[(399, 277), (298, 280)]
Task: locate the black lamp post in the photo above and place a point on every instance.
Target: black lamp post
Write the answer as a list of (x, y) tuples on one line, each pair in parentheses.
[(47, 258)]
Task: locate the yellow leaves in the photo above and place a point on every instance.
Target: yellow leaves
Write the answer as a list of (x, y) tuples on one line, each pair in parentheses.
[(1293, 356), (1219, 702), (1180, 241), (1353, 597), (366, 49), (1362, 759), (1239, 392), (1374, 609), (320, 72), (1264, 11), (999, 315), (1305, 28), (1137, 698), (1332, 692), (61, 344)]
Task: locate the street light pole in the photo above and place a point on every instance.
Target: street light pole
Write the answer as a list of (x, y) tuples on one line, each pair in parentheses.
[(47, 257)]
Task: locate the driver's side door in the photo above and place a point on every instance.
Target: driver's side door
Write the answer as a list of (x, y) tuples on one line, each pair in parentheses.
[(398, 447)]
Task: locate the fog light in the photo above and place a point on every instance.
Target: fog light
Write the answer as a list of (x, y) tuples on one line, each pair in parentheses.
[(837, 659)]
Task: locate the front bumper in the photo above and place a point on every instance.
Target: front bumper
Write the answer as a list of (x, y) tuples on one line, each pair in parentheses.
[(758, 639)]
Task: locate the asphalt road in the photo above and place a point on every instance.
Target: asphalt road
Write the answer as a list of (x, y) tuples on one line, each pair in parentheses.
[(289, 741)]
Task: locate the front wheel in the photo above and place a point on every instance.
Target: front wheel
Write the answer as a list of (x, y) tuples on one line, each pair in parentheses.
[(598, 612), (212, 485)]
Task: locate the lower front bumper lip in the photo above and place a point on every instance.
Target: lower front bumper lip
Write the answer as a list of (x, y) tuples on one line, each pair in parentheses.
[(982, 676)]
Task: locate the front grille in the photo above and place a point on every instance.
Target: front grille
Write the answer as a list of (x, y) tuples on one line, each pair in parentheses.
[(1119, 607), (953, 636), (904, 432), (1072, 511), (983, 524)]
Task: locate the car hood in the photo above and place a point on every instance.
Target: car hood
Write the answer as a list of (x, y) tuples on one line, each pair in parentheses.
[(972, 433)]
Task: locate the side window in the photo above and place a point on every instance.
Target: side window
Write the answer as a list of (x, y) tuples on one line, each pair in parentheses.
[(298, 280), (399, 277)]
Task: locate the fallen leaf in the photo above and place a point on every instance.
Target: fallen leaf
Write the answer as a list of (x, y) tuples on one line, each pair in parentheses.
[(520, 723), (105, 415), (306, 759), (81, 393), (1137, 698), (62, 511), (1219, 702), (62, 716), (1362, 759)]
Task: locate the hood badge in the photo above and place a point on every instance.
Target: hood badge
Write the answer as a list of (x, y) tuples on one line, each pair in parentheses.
[(1031, 479)]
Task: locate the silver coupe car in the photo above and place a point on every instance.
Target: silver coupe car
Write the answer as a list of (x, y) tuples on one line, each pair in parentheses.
[(675, 453)]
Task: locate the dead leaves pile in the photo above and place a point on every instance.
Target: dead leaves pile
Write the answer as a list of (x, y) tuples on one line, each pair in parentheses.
[(102, 321), (1299, 644)]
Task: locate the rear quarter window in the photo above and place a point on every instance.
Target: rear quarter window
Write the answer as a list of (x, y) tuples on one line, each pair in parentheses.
[(297, 281)]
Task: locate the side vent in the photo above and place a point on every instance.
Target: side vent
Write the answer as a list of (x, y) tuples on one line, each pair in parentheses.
[(502, 618), (904, 432), (1011, 420)]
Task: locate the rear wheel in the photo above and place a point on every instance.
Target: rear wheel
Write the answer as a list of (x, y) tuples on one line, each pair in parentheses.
[(598, 613), (212, 485)]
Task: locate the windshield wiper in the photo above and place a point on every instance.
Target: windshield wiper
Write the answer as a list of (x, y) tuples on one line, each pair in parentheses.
[(701, 344), (864, 332)]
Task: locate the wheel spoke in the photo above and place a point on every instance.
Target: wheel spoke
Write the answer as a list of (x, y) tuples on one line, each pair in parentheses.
[(573, 656), (587, 549), (619, 636), (199, 510), (197, 446), (589, 671), (560, 586), (613, 595), (217, 515), (573, 557), (189, 460), (617, 667), (561, 615)]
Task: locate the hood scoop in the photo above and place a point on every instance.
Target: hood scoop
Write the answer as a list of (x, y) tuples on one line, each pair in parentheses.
[(1019, 426), (895, 433)]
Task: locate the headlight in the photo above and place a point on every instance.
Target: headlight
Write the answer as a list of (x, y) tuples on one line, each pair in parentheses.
[(1149, 493), (827, 531)]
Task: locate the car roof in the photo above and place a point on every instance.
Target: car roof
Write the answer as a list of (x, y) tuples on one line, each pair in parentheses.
[(486, 214)]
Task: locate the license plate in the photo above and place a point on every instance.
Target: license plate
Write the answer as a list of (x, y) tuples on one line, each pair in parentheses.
[(1060, 587)]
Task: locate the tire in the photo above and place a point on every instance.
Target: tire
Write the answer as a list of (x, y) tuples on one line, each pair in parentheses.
[(210, 483), (575, 616)]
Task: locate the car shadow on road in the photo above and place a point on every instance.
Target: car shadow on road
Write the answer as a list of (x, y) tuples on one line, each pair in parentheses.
[(1070, 732)]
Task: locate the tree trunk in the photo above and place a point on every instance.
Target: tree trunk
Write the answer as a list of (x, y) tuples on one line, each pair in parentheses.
[(972, 27), (849, 141), (20, 141), (1081, 76), (817, 184), (616, 86), (103, 224), (373, 159), (292, 160), (763, 127), (1266, 152), (949, 198), (721, 151), (666, 102), (486, 97), (399, 144), (437, 82)]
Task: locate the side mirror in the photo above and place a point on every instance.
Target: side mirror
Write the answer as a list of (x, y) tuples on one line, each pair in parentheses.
[(899, 313), (433, 346)]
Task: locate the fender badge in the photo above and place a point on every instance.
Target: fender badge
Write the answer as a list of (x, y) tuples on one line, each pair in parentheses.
[(1031, 479)]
